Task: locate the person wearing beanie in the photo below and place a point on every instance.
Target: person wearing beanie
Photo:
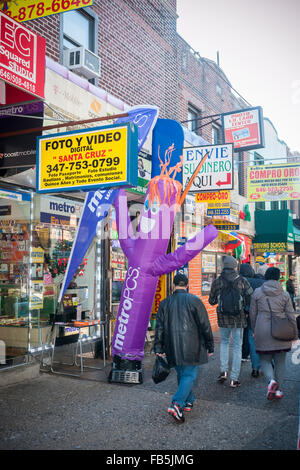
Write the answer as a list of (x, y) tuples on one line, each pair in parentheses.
[(231, 292), (270, 299), (255, 281), (261, 270), (183, 334)]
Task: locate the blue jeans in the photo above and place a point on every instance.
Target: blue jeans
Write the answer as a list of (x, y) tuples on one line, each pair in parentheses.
[(278, 372), (186, 378), (237, 338), (253, 354)]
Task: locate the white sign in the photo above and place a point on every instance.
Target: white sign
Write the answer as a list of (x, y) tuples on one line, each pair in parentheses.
[(216, 172)]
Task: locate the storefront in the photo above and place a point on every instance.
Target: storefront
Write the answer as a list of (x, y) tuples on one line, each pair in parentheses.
[(36, 236), (274, 240)]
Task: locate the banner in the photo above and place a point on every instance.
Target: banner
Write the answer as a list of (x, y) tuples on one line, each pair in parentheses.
[(218, 203), (96, 207), (244, 129), (41, 8), (274, 182), (22, 57), (167, 137)]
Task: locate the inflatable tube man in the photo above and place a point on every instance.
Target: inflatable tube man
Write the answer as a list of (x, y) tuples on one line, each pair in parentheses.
[(147, 260)]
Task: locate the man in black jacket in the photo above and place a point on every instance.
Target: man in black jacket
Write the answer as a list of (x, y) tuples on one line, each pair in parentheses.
[(291, 289), (183, 333)]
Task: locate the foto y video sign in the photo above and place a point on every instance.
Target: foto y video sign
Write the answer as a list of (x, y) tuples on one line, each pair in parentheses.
[(98, 158), (22, 57), (244, 129)]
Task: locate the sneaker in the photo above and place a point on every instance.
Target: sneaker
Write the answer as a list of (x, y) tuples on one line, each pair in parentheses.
[(272, 387), (278, 394), (245, 359), (234, 383), (175, 411), (188, 407), (255, 373), (222, 377)]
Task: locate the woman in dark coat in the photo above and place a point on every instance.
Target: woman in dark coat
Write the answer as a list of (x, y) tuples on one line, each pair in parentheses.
[(268, 347)]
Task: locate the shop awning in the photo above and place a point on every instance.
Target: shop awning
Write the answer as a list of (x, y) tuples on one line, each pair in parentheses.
[(274, 231)]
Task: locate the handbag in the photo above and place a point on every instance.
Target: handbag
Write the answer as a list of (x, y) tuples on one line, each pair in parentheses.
[(281, 328), (161, 370)]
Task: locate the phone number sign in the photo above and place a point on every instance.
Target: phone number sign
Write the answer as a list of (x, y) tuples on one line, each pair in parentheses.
[(37, 8), (100, 158)]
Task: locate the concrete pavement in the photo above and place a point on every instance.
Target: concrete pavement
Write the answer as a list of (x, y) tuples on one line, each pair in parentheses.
[(58, 412)]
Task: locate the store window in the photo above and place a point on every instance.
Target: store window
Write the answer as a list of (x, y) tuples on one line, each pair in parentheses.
[(193, 119), (78, 30), (208, 272), (216, 135)]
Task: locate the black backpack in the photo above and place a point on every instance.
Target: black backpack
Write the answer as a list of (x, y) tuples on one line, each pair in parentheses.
[(230, 298)]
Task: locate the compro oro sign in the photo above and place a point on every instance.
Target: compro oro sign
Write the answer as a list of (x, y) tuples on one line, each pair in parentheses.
[(22, 57), (218, 202), (216, 172), (244, 128), (274, 182), (97, 158)]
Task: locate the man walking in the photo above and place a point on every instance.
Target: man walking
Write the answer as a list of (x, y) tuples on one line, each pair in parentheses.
[(231, 292), (183, 333)]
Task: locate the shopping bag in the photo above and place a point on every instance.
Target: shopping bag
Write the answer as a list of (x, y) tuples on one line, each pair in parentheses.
[(161, 370)]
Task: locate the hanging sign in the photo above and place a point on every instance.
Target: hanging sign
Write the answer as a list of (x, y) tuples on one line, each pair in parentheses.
[(218, 203), (96, 158), (244, 128), (221, 224), (274, 182), (22, 57), (39, 8), (217, 171)]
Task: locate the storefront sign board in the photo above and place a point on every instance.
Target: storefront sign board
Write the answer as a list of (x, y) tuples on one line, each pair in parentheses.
[(244, 128), (160, 294), (217, 171), (97, 158), (275, 247), (218, 202), (24, 11), (274, 182), (22, 57), (225, 225)]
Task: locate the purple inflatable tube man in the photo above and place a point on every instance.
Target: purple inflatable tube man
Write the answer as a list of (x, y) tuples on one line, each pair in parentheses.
[(147, 258)]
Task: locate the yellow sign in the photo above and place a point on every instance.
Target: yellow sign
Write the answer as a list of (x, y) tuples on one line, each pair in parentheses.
[(36, 299), (86, 159), (37, 255), (160, 294), (38, 8), (214, 199), (274, 182)]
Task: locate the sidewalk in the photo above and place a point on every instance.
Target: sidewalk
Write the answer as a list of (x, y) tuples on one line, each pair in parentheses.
[(58, 412)]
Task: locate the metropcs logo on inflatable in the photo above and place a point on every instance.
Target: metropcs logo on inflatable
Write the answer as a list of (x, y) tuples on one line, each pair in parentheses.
[(130, 286)]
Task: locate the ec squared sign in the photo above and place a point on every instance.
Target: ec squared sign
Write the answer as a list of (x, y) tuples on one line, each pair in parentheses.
[(98, 158)]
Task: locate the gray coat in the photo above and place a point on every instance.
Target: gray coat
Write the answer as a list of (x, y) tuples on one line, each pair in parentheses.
[(260, 315)]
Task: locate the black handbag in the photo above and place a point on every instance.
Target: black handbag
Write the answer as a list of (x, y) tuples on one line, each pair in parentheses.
[(161, 370), (281, 328)]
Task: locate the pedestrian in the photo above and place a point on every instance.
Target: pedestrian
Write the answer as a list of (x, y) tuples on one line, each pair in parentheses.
[(183, 333), (231, 292), (255, 281), (272, 352), (291, 289)]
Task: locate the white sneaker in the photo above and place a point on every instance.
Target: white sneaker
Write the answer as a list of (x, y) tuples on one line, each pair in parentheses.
[(272, 387), (278, 394)]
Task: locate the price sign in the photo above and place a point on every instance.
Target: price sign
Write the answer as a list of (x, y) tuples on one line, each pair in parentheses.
[(97, 158), (37, 8)]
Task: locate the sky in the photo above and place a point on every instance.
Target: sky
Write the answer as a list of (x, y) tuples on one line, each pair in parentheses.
[(259, 49)]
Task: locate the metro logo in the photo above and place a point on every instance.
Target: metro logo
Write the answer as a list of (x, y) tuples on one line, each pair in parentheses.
[(22, 56)]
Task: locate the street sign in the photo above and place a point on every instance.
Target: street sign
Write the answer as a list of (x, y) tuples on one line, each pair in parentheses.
[(217, 171), (97, 158)]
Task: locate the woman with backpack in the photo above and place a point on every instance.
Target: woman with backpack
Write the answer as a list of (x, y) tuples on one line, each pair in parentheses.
[(268, 301)]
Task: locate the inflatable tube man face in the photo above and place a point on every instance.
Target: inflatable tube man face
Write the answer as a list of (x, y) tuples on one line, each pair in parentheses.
[(147, 258)]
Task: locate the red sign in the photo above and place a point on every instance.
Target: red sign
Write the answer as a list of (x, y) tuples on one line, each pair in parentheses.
[(22, 57), (244, 129)]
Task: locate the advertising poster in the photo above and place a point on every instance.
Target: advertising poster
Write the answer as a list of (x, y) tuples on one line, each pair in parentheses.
[(97, 158), (160, 294), (244, 128), (24, 11), (217, 171), (218, 203), (22, 57), (36, 300), (208, 263), (274, 182)]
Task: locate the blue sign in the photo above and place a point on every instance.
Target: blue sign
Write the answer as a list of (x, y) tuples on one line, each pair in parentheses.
[(224, 211)]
